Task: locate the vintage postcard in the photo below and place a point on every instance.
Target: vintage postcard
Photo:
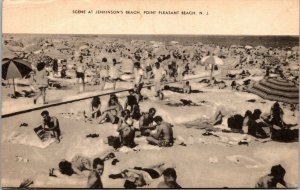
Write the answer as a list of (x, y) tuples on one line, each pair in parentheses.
[(150, 94)]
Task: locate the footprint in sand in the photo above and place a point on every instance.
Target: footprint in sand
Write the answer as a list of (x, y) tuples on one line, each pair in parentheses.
[(244, 161)]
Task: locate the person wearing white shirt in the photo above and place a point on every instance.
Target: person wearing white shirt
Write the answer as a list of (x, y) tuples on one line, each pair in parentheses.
[(159, 73)]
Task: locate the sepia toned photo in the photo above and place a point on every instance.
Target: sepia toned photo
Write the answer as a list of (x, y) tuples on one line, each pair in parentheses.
[(150, 94)]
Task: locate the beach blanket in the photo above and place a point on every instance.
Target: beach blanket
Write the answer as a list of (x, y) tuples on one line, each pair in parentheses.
[(29, 139)]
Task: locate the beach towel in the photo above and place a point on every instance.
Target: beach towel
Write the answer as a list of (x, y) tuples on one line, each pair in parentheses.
[(29, 139)]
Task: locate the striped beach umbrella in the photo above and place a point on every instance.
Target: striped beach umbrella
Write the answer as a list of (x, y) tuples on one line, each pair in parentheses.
[(273, 60), (15, 68), (276, 90)]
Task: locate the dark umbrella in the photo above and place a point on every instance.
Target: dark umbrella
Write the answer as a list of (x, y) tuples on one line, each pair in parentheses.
[(15, 68), (277, 90)]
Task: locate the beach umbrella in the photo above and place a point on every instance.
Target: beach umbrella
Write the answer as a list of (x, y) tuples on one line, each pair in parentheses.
[(276, 90), (273, 60), (212, 61), (248, 47), (15, 68), (83, 47), (174, 42)]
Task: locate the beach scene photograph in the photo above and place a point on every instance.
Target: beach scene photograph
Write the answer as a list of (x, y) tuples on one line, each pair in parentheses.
[(149, 111)]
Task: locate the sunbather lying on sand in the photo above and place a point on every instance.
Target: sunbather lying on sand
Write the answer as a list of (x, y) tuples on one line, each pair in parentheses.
[(78, 165), (139, 177)]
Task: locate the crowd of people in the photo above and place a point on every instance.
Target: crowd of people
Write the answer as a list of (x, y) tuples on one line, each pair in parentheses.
[(150, 66)]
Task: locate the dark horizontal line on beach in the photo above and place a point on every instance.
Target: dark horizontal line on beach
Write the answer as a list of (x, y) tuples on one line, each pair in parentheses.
[(79, 99)]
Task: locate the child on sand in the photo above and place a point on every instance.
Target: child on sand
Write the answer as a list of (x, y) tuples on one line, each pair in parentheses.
[(187, 88)]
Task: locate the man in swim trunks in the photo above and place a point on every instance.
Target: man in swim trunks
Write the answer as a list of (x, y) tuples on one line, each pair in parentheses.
[(51, 124), (164, 135), (80, 69), (146, 122)]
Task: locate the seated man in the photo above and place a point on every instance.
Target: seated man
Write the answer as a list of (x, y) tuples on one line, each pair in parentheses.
[(164, 135), (271, 180), (146, 122), (256, 125), (276, 115), (170, 177), (51, 124), (187, 88)]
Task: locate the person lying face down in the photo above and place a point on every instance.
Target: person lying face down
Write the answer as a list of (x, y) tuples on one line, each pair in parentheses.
[(139, 176)]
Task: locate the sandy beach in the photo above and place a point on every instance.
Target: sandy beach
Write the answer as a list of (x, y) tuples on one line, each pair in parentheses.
[(217, 160)]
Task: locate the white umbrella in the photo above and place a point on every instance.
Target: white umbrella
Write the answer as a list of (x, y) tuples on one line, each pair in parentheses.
[(212, 61), (248, 47)]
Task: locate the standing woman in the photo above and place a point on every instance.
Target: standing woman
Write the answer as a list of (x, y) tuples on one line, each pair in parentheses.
[(41, 81)]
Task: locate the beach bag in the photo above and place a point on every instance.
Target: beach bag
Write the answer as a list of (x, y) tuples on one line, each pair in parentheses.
[(114, 142), (235, 122)]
